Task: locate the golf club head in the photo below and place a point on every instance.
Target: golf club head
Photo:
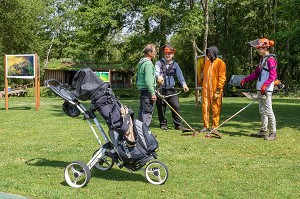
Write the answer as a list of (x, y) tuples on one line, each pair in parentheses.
[(250, 95)]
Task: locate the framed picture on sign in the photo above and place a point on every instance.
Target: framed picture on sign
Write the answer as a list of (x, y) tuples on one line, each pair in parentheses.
[(20, 66), (104, 76)]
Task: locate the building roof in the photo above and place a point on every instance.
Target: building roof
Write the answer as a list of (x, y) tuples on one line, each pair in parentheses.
[(69, 65)]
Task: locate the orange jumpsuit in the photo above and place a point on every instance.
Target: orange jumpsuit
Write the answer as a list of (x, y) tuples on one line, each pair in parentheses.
[(214, 76)]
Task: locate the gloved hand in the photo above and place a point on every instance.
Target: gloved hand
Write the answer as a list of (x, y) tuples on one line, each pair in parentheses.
[(243, 82), (217, 95), (263, 89), (160, 80), (185, 88)]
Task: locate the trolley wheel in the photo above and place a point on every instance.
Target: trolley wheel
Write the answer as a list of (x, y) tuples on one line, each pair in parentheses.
[(77, 174), (105, 163), (156, 173)]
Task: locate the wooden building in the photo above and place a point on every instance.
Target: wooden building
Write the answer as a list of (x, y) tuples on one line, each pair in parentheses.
[(118, 76)]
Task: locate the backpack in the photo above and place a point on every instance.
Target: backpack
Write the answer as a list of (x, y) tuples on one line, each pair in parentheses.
[(264, 64), (167, 72)]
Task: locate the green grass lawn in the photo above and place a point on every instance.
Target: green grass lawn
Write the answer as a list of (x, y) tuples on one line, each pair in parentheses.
[(36, 146)]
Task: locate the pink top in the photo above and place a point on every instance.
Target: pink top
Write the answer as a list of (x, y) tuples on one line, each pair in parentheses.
[(271, 62)]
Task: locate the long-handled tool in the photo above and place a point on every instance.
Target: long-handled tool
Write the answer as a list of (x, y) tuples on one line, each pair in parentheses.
[(213, 131), (164, 99)]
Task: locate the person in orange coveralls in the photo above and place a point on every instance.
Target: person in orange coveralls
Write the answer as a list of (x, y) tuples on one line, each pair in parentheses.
[(214, 77)]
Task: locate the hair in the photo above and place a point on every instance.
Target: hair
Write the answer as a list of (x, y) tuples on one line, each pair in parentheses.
[(148, 48)]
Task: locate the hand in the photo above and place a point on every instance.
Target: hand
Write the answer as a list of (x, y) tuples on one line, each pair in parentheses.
[(263, 89), (160, 80), (153, 98), (243, 82), (217, 95), (185, 88)]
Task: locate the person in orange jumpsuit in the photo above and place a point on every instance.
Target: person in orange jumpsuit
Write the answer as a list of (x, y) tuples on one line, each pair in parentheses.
[(214, 77)]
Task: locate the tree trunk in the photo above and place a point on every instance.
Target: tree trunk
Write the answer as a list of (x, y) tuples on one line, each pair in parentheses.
[(205, 25)]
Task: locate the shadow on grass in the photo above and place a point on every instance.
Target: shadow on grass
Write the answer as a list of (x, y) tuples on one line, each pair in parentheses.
[(118, 175), (112, 174), (18, 108), (45, 162)]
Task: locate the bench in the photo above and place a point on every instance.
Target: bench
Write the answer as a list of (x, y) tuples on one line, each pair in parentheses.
[(18, 93)]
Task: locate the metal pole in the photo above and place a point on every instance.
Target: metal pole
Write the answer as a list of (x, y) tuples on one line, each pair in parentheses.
[(163, 98), (232, 116)]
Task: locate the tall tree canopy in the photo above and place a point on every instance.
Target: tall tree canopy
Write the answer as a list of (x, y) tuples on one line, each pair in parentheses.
[(117, 30)]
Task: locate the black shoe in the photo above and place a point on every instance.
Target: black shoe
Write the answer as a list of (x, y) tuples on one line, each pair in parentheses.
[(182, 128), (260, 134), (270, 137), (163, 127)]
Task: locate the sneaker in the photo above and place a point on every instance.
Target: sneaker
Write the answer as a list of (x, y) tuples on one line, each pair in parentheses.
[(260, 134), (217, 134), (164, 128), (270, 137), (204, 130), (182, 128)]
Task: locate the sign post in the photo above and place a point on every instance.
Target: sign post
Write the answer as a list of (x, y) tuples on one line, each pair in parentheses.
[(24, 66), (199, 76), (6, 85)]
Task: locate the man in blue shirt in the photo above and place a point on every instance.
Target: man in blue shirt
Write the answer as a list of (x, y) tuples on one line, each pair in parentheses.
[(166, 69)]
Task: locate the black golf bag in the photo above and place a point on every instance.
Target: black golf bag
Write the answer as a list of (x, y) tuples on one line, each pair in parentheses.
[(132, 138), (141, 152), (86, 85)]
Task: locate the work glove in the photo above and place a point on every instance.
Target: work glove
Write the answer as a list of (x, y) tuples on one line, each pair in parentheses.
[(243, 82), (160, 81), (185, 88), (263, 89), (217, 95)]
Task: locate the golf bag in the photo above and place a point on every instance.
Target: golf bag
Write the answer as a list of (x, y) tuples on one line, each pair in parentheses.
[(132, 138), (86, 85), (138, 153)]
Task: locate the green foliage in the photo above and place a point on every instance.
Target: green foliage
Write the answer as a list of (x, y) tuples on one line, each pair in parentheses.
[(114, 31), (192, 23), (184, 57), (235, 23)]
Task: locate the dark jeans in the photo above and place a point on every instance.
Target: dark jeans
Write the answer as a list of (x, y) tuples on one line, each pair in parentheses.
[(161, 107), (146, 107)]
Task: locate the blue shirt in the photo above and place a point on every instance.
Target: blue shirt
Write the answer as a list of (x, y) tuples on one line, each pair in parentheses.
[(168, 74)]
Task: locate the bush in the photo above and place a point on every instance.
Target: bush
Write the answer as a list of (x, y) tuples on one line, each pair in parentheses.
[(44, 91)]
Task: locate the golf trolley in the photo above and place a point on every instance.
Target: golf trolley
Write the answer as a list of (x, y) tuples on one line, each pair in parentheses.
[(115, 149)]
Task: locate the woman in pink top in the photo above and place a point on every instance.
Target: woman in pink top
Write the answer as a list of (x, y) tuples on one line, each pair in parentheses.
[(265, 74)]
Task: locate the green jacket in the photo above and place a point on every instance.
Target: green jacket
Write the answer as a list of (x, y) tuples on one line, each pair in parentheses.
[(146, 75)]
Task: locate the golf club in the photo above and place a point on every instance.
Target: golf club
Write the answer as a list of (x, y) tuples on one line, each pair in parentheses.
[(249, 96), (164, 99)]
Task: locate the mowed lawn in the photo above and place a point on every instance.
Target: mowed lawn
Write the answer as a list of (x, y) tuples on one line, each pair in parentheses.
[(36, 146)]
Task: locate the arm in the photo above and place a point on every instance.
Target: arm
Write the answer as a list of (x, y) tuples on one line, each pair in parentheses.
[(179, 75), (273, 72), (252, 76), (181, 78), (222, 75), (149, 78), (157, 69)]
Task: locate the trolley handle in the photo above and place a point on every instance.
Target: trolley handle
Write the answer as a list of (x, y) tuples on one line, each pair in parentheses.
[(59, 89)]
